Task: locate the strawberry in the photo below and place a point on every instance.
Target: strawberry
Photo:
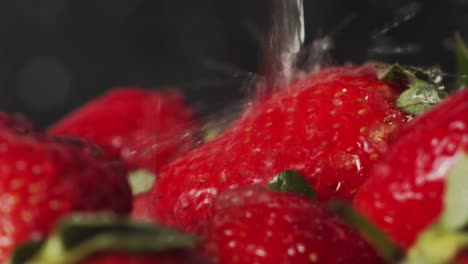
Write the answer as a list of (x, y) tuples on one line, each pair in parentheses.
[(43, 178), (255, 225), (404, 191), (330, 127), (121, 258), (17, 122), (140, 207), (146, 129), (107, 239)]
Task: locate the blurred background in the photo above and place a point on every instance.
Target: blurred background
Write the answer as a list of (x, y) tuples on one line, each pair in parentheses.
[(56, 54)]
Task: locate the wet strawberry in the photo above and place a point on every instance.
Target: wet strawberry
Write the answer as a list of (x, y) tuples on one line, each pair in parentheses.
[(404, 192), (256, 225), (43, 178), (145, 128), (330, 126)]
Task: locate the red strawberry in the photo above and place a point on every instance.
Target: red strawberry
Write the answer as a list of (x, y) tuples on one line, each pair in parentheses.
[(17, 122), (330, 127), (403, 194), (44, 178), (177, 257), (145, 128), (140, 207), (256, 225), (106, 239)]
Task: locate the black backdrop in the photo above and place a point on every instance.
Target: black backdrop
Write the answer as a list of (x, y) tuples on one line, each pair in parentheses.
[(56, 54)]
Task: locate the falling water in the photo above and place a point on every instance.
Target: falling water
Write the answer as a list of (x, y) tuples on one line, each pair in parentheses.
[(285, 41)]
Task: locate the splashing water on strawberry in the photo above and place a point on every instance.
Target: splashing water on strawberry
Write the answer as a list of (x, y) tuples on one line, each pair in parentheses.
[(331, 126)]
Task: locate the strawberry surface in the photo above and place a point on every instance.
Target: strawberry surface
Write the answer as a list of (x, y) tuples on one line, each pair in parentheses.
[(330, 127), (404, 192), (140, 209), (43, 178), (256, 225), (177, 257), (145, 128), (17, 122)]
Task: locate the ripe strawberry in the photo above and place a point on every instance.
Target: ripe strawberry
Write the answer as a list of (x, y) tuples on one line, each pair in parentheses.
[(107, 239), (140, 207), (177, 257), (330, 127), (404, 191), (44, 178), (145, 128), (255, 225), (17, 122)]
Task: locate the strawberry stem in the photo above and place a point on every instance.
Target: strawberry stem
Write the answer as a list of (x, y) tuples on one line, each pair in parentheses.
[(386, 248), (25, 252)]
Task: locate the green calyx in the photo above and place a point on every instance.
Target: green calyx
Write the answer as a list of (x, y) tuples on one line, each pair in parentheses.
[(80, 236), (141, 181), (441, 242), (461, 58), (423, 87), (291, 181)]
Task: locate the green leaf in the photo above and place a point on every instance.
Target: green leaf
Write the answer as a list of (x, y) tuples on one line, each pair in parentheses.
[(25, 252), (81, 236), (455, 213), (384, 246), (291, 181), (423, 87), (461, 58), (141, 181)]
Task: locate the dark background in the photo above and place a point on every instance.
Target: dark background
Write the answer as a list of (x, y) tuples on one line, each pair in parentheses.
[(56, 54)]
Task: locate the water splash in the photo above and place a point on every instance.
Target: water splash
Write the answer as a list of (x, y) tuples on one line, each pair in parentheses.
[(285, 42), (389, 49), (403, 14), (314, 56)]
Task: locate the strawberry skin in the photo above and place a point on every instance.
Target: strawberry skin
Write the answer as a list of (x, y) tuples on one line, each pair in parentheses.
[(140, 209), (330, 127), (17, 122), (404, 192), (44, 178), (145, 128), (256, 225), (177, 257)]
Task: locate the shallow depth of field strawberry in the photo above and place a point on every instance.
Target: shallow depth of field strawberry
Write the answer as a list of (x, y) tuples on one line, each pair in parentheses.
[(44, 178), (145, 129), (330, 127), (331, 165)]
